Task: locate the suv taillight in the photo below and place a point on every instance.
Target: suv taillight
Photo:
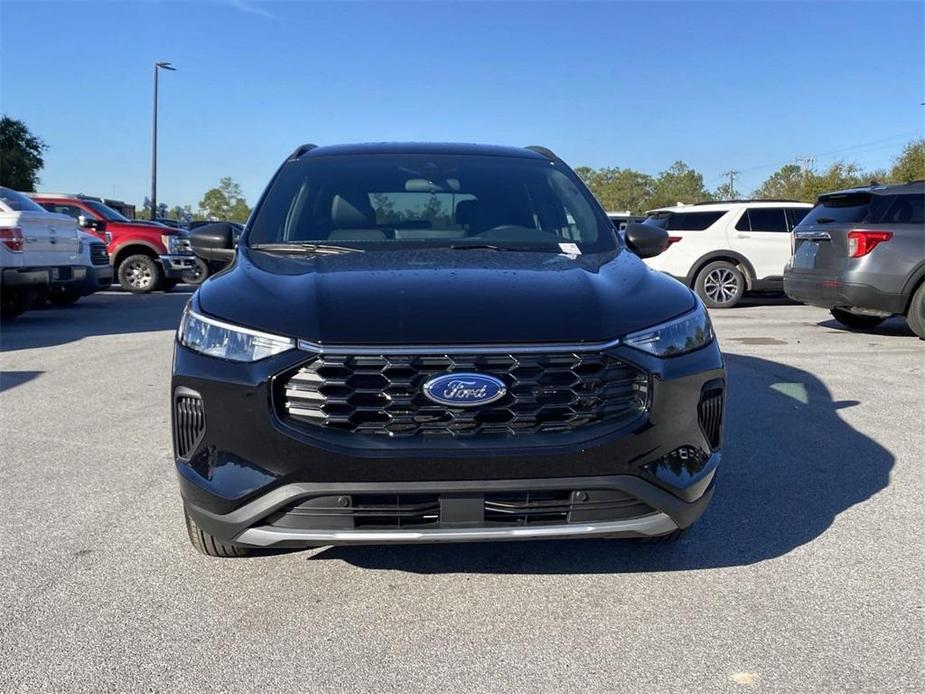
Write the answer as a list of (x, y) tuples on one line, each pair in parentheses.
[(862, 242), (11, 237)]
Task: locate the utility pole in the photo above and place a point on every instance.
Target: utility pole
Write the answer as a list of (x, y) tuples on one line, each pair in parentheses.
[(157, 66), (731, 175), (806, 162)]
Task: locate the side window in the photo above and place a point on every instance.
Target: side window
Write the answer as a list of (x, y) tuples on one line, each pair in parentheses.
[(768, 219), (906, 209), (743, 224), (59, 208), (795, 215)]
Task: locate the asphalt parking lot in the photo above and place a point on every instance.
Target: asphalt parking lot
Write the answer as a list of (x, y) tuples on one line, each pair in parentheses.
[(805, 574)]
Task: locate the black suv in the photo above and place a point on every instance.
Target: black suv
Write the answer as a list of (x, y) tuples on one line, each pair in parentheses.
[(861, 254), (439, 343)]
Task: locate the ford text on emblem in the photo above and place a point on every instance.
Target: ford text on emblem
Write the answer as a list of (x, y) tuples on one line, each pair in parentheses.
[(464, 389)]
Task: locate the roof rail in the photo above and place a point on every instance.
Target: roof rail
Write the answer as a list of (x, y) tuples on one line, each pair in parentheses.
[(729, 202), (300, 151), (545, 151)]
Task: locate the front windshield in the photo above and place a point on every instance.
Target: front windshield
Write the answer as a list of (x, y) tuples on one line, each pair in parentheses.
[(394, 200), (107, 213)]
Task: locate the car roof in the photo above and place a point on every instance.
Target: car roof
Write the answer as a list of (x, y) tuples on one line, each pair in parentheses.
[(456, 148), (913, 188), (729, 205)]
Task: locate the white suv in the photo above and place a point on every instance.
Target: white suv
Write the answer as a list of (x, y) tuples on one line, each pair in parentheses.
[(724, 249)]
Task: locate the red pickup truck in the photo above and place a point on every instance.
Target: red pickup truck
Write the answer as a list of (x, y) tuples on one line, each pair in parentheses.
[(147, 256)]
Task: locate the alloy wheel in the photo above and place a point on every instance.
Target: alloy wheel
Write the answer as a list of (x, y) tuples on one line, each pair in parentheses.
[(721, 285)]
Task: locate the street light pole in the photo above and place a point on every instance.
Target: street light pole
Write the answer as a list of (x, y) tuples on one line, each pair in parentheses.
[(157, 66)]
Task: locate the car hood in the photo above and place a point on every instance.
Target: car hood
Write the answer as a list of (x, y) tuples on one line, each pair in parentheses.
[(437, 296)]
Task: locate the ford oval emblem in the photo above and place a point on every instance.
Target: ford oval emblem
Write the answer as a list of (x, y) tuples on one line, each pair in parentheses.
[(464, 389)]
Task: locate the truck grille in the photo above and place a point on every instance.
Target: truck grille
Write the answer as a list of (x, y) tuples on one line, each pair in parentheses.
[(383, 394), (98, 254)]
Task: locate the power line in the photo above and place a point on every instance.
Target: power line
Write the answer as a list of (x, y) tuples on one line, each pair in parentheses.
[(731, 175)]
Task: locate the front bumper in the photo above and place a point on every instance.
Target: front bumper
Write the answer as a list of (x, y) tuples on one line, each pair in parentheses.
[(832, 291), (254, 479), (175, 266)]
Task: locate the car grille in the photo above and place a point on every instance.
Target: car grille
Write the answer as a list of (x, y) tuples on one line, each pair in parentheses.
[(98, 254), (383, 394), (481, 510), (189, 424)]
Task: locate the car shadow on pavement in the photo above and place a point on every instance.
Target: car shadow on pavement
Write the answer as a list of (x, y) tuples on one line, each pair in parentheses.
[(791, 465), (896, 325), (105, 313)]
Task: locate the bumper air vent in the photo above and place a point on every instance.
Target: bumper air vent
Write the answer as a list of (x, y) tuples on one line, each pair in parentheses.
[(189, 422)]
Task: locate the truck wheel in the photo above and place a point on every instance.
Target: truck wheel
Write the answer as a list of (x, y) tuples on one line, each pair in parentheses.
[(720, 284), (15, 302), (199, 274), (208, 544), (856, 321), (915, 317), (63, 298), (139, 274)]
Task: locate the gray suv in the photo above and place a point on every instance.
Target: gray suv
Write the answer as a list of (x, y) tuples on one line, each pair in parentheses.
[(861, 253)]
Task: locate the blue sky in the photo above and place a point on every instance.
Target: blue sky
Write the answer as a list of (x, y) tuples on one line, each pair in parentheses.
[(741, 85)]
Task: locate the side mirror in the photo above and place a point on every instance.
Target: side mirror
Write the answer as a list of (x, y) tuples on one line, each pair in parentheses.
[(85, 222), (213, 241), (645, 240)]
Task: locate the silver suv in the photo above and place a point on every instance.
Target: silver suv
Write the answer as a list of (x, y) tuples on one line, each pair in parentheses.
[(861, 253)]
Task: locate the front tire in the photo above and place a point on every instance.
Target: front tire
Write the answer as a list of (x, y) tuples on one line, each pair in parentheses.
[(140, 274), (210, 545), (855, 321), (720, 284), (915, 316), (199, 274)]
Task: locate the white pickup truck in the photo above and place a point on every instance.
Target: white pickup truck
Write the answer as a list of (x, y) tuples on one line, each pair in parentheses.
[(39, 251)]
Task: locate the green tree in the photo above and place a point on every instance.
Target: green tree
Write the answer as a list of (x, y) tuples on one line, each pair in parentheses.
[(678, 183), (791, 182), (784, 184), (20, 155), (618, 189), (910, 165), (226, 202)]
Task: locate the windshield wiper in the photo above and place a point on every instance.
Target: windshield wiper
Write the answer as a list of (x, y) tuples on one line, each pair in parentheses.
[(298, 247), (494, 247), (825, 220)]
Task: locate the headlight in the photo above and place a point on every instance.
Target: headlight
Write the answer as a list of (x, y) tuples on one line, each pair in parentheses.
[(678, 336), (225, 341), (176, 244)]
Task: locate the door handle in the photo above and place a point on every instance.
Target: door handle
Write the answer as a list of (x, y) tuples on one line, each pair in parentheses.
[(744, 236)]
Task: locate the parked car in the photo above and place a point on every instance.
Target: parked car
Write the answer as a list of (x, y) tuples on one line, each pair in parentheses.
[(172, 223), (621, 219), (439, 343), (92, 255), (724, 249), (146, 256), (36, 249), (861, 254)]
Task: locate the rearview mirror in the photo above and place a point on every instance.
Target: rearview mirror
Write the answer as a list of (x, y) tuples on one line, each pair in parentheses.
[(213, 241), (85, 222), (645, 240)]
